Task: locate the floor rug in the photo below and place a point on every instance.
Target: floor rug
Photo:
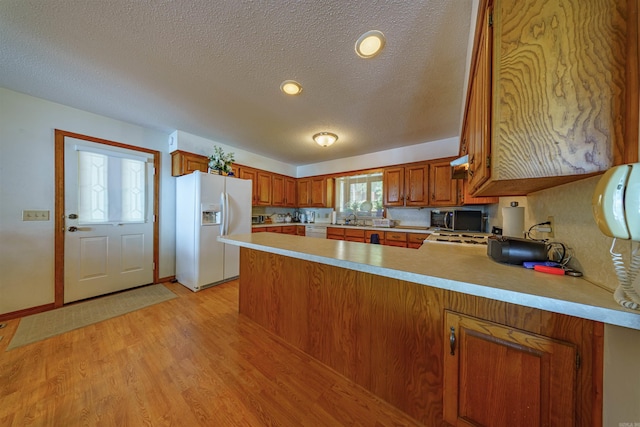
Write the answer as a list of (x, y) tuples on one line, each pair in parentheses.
[(55, 322)]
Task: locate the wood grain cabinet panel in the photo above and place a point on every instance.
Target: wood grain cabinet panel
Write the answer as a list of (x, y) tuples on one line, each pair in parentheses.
[(354, 235), (406, 185), (335, 233), (415, 240), (443, 190), (183, 163), (545, 128), (263, 188), (244, 172), (499, 376), (511, 365), (393, 186), (395, 238), (316, 191)]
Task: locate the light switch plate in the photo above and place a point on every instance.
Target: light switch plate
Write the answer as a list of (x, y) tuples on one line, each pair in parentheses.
[(35, 215)]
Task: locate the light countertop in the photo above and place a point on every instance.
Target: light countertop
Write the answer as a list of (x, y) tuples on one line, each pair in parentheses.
[(406, 229), (465, 269)]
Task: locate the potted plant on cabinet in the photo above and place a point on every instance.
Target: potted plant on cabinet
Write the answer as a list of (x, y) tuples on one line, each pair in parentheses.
[(219, 162)]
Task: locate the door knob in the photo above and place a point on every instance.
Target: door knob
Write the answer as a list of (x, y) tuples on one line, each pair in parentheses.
[(73, 228)]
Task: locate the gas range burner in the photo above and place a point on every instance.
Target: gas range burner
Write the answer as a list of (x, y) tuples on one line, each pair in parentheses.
[(468, 238)]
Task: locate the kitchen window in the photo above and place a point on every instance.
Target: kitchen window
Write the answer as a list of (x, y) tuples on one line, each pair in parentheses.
[(360, 195)]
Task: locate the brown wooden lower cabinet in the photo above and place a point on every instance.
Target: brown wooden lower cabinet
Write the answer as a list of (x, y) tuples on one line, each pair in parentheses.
[(495, 375), (335, 233), (392, 337), (354, 235), (415, 240), (395, 238), (300, 230)]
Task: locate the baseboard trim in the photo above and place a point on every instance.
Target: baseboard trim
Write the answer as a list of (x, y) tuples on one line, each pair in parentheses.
[(27, 312)]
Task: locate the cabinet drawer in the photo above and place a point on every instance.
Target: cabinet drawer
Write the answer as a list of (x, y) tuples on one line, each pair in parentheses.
[(274, 229), (335, 233), (288, 229), (416, 238), (395, 243), (354, 233), (395, 236), (258, 230)]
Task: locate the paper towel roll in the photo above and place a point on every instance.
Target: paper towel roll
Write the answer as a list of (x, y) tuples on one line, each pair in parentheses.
[(334, 217), (513, 221)]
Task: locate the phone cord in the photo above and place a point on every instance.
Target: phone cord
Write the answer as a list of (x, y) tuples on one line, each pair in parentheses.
[(625, 294)]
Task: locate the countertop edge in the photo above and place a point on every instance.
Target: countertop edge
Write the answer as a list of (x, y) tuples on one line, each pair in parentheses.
[(619, 317)]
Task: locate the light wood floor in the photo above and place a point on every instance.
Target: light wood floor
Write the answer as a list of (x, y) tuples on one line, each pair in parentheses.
[(186, 362)]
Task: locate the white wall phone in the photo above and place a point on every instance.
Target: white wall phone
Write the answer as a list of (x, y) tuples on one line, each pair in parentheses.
[(616, 209)]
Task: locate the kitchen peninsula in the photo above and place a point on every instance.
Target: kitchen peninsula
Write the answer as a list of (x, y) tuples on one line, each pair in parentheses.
[(443, 333)]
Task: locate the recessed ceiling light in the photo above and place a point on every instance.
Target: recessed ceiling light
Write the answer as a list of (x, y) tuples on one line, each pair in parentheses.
[(370, 44), (325, 139), (291, 87)]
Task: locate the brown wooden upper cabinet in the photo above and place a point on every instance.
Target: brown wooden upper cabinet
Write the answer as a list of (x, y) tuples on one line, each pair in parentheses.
[(283, 191), (443, 190), (553, 97), (406, 185), (244, 172), (183, 163), (315, 191)]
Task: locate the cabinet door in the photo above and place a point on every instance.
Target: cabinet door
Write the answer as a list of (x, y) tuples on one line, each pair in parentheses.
[(290, 192), (252, 174), (416, 185), (465, 197), (304, 192), (183, 163), (277, 191), (443, 190), (263, 190), (335, 233), (318, 192), (393, 186), (499, 376), (477, 128), (415, 240)]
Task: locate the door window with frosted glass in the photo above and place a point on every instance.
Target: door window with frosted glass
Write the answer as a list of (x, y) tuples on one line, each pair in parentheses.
[(111, 187)]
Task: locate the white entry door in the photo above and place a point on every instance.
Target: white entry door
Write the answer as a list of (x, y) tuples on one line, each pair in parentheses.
[(108, 219)]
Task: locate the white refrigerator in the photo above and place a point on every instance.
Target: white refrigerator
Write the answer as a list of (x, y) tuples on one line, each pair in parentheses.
[(208, 206)]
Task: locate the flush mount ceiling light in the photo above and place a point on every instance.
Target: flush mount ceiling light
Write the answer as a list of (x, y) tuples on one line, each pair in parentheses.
[(370, 44), (325, 139), (291, 87)]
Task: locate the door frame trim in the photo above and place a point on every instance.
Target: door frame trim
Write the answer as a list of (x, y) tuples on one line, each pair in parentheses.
[(59, 223)]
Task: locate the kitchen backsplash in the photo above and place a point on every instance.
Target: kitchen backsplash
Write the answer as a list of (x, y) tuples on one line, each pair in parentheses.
[(570, 205)]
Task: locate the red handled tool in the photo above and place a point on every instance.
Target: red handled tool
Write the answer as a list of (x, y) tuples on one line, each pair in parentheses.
[(560, 271)]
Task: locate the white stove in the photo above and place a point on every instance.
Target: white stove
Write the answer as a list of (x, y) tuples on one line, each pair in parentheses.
[(466, 238)]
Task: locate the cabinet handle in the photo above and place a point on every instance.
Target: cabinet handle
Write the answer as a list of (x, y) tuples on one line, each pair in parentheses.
[(452, 341)]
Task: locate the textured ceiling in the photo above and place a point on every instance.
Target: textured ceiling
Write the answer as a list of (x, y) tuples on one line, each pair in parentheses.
[(214, 68)]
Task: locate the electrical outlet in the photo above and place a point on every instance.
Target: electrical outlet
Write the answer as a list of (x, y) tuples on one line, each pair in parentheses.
[(552, 226)]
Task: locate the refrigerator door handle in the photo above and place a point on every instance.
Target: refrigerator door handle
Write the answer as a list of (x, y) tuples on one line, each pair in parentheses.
[(227, 213), (223, 210)]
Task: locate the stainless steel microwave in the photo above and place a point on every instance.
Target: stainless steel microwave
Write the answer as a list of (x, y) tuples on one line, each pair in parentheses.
[(457, 220)]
